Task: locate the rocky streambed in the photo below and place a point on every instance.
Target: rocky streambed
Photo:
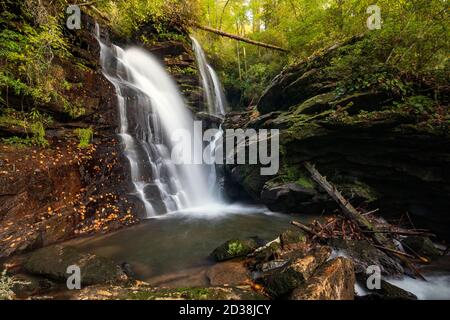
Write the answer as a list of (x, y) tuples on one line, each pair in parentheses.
[(295, 265)]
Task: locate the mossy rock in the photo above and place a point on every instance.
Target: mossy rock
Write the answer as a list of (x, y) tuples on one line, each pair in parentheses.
[(420, 245), (52, 262), (235, 248), (291, 237), (213, 293)]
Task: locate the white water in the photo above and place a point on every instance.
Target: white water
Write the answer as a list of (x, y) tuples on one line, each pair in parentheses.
[(216, 103), (212, 87), (437, 286), (151, 108)]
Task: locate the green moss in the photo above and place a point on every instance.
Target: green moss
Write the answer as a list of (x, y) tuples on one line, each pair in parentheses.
[(85, 136), (235, 248), (305, 182), (296, 174)]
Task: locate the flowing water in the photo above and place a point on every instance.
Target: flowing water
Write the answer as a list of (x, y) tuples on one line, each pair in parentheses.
[(188, 219), (178, 244), (212, 87), (151, 108)]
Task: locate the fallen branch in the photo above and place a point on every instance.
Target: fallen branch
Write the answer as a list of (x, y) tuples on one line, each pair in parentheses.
[(349, 211), (239, 38)]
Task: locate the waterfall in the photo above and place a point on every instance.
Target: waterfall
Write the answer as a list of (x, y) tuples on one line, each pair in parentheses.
[(150, 109), (215, 100), (212, 87)]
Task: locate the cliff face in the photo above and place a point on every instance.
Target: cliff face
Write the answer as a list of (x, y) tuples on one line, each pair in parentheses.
[(55, 193), (380, 153)]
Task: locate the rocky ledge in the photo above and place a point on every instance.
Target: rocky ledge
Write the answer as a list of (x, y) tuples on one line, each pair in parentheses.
[(370, 143)]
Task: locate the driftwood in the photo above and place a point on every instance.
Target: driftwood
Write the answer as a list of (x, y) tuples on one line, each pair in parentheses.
[(349, 211), (239, 38)]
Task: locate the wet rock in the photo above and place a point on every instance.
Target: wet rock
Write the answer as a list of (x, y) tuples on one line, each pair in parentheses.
[(228, 273), (128, 270), (143, 291), (235, 248), (27, 285), (364, 254), (290, 237), (282, 281), (335, 280), (387, 291), (420, 245), (52, 262), (265, 253), (289, 197)]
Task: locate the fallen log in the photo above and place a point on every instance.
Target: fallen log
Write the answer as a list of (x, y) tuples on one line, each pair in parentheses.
[(239, 38), (349, 211)]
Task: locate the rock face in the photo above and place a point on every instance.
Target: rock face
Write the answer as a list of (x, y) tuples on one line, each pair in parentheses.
[(335, 280), (53, 194), (376, 154), (52, 262)]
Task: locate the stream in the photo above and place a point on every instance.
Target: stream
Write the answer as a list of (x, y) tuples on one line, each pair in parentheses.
[(177, 245)]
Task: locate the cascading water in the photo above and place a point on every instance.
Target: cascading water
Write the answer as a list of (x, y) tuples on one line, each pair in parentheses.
[(215, 99), (151, 108), (212, 87)]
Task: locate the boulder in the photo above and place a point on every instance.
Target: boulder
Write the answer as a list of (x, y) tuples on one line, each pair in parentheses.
[(228, 273), (364, 254), (280, 282), (27, 285), (421, 245), (335, 280), (387, 291), (291, 237), (235, 248), (289, 197), (52, 262)]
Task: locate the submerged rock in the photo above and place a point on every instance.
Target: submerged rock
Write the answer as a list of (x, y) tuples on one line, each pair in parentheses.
[(52, 262), (335, 280), (235, 248)]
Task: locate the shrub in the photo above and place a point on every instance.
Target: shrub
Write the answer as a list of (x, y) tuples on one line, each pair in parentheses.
[(84, 136)]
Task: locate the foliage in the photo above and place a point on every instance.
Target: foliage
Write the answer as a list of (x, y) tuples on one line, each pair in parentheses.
[(411, 45), (84, 136), (127, 16), (6, 285), (33, 123)]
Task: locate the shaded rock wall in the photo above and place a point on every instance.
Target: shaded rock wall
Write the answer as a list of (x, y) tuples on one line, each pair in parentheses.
[(376, 154)]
